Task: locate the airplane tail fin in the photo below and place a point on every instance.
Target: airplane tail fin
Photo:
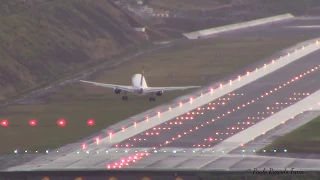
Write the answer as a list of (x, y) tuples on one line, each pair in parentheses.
[(142, 75)]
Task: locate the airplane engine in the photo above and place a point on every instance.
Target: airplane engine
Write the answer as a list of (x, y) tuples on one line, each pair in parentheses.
[(159, 93), (117, 91)]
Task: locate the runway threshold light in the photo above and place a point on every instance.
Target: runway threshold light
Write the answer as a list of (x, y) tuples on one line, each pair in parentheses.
[(97, 140), (84, 146), (4, 123), (90, 122), (61, 122), (32, 122)]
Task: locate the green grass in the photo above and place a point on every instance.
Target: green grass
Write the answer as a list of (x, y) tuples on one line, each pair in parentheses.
[(191, 62), (305, 139), (42, 43)]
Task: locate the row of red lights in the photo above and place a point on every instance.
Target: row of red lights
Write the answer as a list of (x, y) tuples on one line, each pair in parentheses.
[(247, 73), (210, 139), (211, 90), (127, 160), (157, 130), (248, 103), (60, 122)]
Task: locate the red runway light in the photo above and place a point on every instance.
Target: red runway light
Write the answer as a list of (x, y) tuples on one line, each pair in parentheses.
[(62, 122), (84, 146), (4, 123), (90, 122), (33, 122)]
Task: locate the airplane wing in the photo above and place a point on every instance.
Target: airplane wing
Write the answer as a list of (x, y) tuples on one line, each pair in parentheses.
[(156, 89), (112, 86)]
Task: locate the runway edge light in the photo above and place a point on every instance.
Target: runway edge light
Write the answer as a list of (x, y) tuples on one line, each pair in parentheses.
[(90, 122), (4, 123), (79, 178), (145, 178), (61, 122), (33, 122)]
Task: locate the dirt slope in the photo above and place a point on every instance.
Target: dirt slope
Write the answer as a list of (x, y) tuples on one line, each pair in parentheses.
[(43, 40)]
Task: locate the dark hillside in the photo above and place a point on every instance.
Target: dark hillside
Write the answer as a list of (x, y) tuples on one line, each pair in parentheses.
[(43, 40)]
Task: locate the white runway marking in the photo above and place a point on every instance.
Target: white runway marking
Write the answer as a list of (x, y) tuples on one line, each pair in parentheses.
[(314, 26), (271, 122)]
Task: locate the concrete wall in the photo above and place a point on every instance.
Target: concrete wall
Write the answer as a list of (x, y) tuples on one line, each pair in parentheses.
[(257, 22)]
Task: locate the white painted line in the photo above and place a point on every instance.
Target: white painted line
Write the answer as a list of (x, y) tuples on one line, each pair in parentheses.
[(315, 26), (210, 96), (208, 162), (269, 123)]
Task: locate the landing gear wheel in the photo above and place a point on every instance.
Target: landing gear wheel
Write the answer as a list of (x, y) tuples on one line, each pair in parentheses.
[(124, 98), (152, 99)]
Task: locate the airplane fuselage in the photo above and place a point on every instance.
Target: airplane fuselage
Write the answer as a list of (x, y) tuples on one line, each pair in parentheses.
[(139, 84)]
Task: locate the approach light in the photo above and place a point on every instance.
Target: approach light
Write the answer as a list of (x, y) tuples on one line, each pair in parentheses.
[(61, 122), (90, 122), (32, 122), (4, 123)]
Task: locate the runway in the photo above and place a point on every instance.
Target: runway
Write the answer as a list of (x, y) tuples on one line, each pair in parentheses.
[(214, 122), (188, 141)]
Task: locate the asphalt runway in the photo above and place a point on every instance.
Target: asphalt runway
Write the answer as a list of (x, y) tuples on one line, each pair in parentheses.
[(228, 119), (193, 149), (267, 138)]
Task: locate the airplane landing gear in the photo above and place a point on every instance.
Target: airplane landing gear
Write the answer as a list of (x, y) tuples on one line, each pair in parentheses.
[(124, 98), (152, 99)]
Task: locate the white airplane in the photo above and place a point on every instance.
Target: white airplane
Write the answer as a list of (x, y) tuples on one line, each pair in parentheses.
[(139, 87)]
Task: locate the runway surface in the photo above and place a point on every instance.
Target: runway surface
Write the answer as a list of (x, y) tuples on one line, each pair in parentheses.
[(214, 122), (267, 138), (188, 141)]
